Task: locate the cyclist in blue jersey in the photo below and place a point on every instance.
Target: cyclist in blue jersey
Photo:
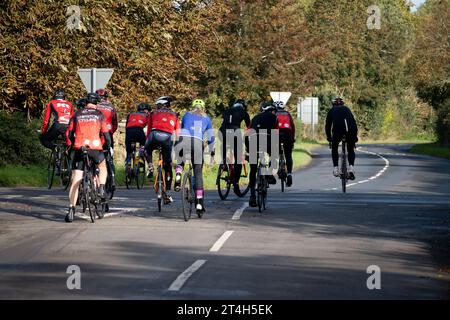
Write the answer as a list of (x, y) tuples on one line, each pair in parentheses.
[(195, 125)]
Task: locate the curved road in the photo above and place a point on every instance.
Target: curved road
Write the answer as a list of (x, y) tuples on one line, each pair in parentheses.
[(313, 242)]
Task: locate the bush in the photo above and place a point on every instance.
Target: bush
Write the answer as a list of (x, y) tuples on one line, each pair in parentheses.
[(19, 140)]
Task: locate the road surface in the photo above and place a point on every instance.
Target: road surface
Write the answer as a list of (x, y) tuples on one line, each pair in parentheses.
[(313, 242)]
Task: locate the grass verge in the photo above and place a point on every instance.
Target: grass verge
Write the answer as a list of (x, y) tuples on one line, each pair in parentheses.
[(431, 149)]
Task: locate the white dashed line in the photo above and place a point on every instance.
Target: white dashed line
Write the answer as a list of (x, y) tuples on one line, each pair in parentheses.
[(11, 196), (182, 278), (219, 243), (238, 213)]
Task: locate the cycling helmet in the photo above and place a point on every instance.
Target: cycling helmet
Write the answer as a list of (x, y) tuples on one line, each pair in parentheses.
[(81, 103), (279, 104), (198, 103), (163, 102), (102, 93), (93, 98), (267, 106), (240, 103), (59, 94), (143, 106), (337, 101)]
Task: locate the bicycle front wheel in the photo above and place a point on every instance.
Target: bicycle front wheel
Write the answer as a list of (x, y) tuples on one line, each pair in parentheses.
[(187, 195), (160, 188), (140, 175), (244, 183), (223, 182)]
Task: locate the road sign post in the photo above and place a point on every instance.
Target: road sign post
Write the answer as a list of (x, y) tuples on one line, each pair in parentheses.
[(94, 79)]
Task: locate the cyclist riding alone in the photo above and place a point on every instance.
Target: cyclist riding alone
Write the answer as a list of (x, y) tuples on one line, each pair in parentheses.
[(194, 126), (162, 123), (134, 129), (286, 126), (87, 128), (231, 122), (62, 111), (109, 112), (265, 120), (340, 121)]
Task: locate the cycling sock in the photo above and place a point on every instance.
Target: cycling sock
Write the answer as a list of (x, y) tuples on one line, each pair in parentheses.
[(179, 169), (199, 194)]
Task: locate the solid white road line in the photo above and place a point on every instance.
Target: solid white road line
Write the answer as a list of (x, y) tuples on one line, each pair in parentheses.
[(238, 213), (219, 243), (182, 278)]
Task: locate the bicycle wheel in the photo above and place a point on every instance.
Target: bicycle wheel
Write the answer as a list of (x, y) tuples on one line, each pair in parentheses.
[(65, 171), (92, 203), (223, 182), (244, 183), (128, 176), (344, 175), (140, 176), (187, 195), (259, 190), (51, 169), (160, 188), (264, 193)]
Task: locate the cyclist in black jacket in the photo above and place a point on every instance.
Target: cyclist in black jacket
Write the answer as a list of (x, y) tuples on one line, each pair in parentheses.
[(340, 121), (266, 120), (232, 119)]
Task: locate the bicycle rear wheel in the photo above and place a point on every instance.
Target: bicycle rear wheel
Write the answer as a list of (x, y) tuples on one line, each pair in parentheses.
[(160, 188), (66, 171), (51, 169), (223, 182), (259, 191), (140, 176), (187, 195), (244, 183)]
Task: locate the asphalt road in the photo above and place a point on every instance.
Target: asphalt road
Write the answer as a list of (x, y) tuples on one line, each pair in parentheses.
[(313, 242)]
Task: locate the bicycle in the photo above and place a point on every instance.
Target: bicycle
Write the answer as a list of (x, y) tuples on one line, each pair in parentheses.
[(188, 194), (282, 171), (110, 185), (343, 171), (89, 197), (262, 183), (136, 170), (160, 180), (226, 177), (59, 163)]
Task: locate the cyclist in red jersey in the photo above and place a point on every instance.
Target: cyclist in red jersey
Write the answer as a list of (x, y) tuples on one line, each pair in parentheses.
[(87, 128), (62, 111), (162, 123), (109, 112), (286, 126), (134, 132)]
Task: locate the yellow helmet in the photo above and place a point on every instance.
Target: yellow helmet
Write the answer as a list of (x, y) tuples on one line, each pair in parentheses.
[(198, 102)]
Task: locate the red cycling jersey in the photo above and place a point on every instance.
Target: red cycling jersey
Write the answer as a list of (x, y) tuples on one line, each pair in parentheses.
[(137, 120), (62, 111), (88, 125), (163, 120), (110, 114), (285, 121)]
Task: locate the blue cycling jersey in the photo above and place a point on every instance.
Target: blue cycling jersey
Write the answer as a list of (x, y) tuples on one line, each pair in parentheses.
[(195, 125)]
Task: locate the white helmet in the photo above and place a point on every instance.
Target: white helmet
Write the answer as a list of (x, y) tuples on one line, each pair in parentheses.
[(279, 104)]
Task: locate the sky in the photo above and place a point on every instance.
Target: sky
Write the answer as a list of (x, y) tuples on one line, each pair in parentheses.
[(417, 3)]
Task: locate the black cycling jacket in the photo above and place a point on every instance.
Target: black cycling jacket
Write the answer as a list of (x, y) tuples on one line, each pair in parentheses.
[(340, 121), (233, 117), (264, 120)]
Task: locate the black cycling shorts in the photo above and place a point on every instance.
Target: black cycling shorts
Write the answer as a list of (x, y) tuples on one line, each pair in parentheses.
[(96, 155)]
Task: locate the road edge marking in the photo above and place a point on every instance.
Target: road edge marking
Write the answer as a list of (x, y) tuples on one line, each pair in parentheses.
[(219, 243), (185, 275)]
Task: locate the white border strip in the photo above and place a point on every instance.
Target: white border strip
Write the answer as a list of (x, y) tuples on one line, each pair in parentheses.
[(219, 243), (182, 278), (238, 213)]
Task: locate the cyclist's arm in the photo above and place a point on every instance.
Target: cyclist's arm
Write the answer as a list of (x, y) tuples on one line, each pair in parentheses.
[(210, 132), (292, 125), (328, 125), (69, 133), (149, 124), (247, 119), (115, 123), (47, 116)]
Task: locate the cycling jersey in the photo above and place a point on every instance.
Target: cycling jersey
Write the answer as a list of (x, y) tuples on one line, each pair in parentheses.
[(163, 120), (340, 121), (110, 114), (89, 127), (62, 111), (196, 125), (137, 120), (233, 117), (285, 121), (264, 121)]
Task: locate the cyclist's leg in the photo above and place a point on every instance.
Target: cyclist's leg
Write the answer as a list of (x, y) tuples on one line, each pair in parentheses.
[(77, 176), (167, 161), (237, 159), (99, 159), (335, 155), (48, 139), (351, 152)]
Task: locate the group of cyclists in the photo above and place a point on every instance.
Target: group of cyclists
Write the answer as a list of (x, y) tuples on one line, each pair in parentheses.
[(93, 126)]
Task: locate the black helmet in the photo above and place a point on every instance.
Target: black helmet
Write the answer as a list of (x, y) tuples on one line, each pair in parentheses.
[(240, 103), (59, 94), (81, 103), (93, 98), (337, 101), (279, 105), (267, 106), (143, 106)]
